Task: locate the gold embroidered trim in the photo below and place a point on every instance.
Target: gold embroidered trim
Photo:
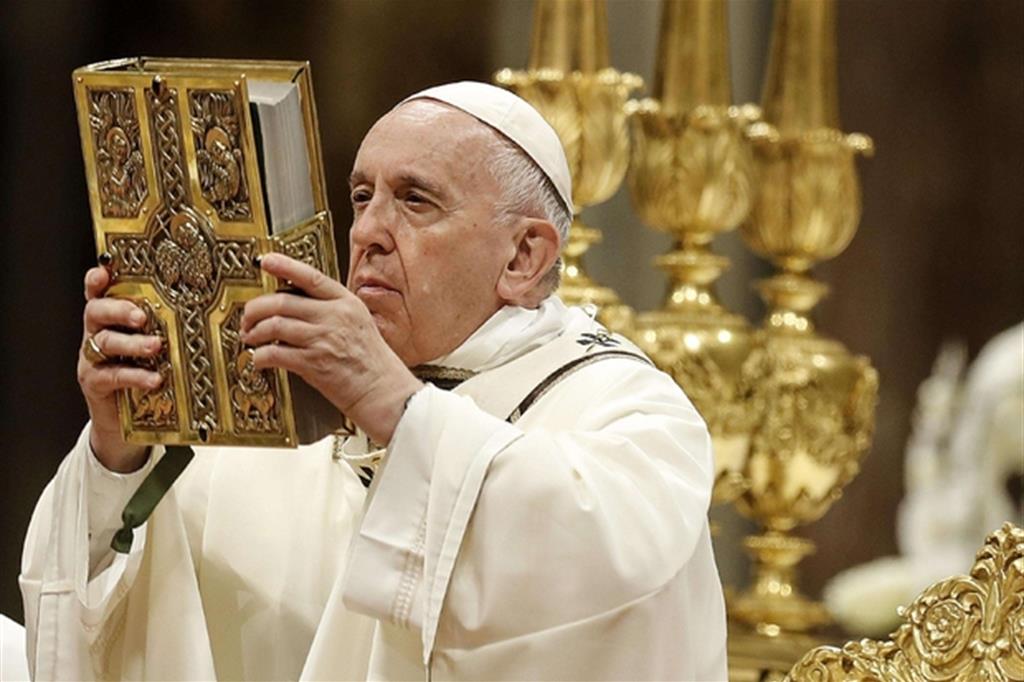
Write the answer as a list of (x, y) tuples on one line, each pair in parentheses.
[(441, 373)]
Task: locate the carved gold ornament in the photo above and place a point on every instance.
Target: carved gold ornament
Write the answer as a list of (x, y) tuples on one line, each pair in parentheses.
[(215, 133), (691, 174), (569, 81), (253, 391), (964, 629), (121, 172), (814, 401), (171, 162), (155, 410)]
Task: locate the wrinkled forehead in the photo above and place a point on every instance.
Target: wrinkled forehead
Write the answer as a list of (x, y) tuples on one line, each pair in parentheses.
[(432, 129), (432, 111), (432, 145)]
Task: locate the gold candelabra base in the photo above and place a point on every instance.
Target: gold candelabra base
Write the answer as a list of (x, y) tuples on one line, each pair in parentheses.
[(704, 347), (578, 288), (773, 604)]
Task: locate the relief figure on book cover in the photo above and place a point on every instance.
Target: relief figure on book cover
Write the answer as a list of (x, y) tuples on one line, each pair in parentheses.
[(184, 260), (216, 132), (121, 171), (252, 391), (173, 161), (190, 266), (154, 409)]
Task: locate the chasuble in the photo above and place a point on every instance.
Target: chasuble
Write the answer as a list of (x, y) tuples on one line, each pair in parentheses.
[(567, 541)]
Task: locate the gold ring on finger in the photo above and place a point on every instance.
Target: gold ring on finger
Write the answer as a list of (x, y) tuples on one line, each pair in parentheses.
[(92, 351)]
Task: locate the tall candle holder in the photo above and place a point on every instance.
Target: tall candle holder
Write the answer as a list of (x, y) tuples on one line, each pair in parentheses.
[(569, 80), (692, 175), (815, 400)]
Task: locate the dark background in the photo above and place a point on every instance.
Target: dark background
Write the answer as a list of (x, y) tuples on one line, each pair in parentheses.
[(938, 84)]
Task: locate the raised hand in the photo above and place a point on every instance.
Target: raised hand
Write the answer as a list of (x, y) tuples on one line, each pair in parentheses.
[(330, 340), (107, 336)]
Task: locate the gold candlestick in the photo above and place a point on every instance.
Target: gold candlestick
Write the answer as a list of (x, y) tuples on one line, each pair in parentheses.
[(692, 175), (570, 82), (814, 399)]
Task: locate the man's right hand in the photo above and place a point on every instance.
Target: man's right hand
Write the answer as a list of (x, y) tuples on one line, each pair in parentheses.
[(108, 321)]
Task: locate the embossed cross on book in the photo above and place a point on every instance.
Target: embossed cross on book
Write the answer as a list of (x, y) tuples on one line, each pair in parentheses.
[(195, 168)]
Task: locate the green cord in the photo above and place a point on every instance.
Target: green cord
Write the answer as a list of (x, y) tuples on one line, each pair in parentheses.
[(149, 494)]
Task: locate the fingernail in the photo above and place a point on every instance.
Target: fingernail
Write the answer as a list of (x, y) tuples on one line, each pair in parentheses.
[(155, 344), (138, 317), (155, 381)]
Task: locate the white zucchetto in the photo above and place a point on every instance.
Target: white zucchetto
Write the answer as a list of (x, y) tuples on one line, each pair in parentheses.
[(514, 118)]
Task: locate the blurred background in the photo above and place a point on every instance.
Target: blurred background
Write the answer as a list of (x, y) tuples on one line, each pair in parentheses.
[(938, 84)]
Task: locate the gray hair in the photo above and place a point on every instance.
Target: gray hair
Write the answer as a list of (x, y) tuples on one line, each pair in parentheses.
[(527, 191)]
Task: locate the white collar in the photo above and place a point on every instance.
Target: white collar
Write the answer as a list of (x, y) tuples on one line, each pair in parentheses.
[(509, 333)]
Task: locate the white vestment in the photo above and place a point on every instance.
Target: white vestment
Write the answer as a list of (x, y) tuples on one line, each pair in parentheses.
[(570, 544), (13, 666)]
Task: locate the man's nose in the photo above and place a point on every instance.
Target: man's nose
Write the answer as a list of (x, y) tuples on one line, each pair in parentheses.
[(372, 227)]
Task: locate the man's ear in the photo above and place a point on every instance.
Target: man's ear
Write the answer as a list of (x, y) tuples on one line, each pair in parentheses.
[(536, 244)]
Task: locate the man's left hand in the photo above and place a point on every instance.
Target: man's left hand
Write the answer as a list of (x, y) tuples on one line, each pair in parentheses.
[(328, 338)]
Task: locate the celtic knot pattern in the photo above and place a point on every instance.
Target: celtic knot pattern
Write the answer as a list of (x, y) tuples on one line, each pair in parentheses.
[(235, 259), (203, 399), (308, 248), (183, 259), (163, 111), (132, 256), (174, 190), (182, 243)]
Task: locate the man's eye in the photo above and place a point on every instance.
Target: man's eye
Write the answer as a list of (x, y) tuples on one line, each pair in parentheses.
[(414, 198), (360, 196)]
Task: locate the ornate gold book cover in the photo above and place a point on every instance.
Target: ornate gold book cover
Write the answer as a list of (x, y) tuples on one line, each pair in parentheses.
[(177, 171)]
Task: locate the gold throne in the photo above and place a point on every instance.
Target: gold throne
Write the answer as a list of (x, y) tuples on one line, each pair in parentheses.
[(963, 629)]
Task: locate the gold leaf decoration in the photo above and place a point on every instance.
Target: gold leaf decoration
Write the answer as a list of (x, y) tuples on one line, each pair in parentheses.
[(963, 629)]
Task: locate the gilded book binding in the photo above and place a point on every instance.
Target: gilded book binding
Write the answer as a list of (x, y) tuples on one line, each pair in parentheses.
[(186, 178)]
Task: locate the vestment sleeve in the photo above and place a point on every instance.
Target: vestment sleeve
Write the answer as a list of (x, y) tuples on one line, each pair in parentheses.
[(57, 592), (597, 497), (72, 584), (108, 493)]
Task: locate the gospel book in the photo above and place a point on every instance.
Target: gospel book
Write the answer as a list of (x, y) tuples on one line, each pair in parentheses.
[(195, 169)]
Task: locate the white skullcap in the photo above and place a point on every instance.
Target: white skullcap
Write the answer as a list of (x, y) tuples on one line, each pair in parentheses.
[(514, 118)]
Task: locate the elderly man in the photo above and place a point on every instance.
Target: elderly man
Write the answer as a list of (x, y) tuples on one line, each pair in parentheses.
[(539, 513)]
